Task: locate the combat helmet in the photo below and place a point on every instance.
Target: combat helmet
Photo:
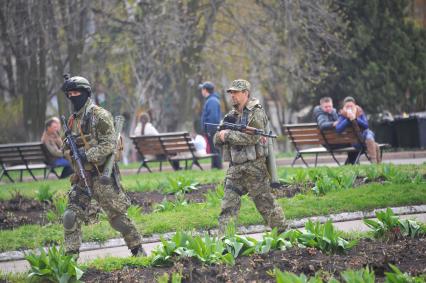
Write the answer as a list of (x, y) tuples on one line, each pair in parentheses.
[(76, 83)]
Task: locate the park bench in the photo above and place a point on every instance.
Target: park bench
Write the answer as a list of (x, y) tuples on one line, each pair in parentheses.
[(171, 147), (25, 157), (307, 139)]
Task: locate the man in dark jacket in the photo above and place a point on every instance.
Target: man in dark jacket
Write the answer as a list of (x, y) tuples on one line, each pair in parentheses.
[(211, 114), (326, 117)]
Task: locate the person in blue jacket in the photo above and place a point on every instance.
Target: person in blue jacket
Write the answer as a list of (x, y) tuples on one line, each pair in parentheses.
[(326, 117), (211, 114), (352, 114)]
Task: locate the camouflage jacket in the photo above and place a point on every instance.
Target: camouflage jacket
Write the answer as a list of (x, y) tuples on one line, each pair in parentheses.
[(97, 126), (240, 147)]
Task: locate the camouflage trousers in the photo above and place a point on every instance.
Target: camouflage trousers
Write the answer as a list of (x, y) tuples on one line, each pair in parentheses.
[(250, 178), (113, 202)]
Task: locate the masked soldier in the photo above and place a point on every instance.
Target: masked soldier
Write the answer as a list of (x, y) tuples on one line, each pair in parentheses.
[(94, 130), (247, 172)]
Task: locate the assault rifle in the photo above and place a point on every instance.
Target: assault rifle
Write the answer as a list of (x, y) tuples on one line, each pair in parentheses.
[(70, 140), (242, 128)]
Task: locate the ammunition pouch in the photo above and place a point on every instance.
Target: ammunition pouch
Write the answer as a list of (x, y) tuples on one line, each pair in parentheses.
[(241, 154), (226, 153)]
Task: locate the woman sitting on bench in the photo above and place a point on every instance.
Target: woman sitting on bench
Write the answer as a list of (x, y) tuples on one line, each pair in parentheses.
[(352, 114)]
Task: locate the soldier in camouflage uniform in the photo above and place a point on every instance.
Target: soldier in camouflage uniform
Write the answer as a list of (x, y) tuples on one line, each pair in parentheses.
[(93, 127), (247, 173)]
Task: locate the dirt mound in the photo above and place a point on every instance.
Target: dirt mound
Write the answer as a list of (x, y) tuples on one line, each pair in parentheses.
[(408, 254), (19, 211)]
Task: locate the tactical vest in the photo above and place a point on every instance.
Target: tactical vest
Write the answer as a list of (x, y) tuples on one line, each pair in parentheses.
[(84, 130), (238, 154)]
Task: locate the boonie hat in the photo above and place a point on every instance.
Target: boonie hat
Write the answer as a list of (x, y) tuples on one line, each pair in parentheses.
[(239, 85)]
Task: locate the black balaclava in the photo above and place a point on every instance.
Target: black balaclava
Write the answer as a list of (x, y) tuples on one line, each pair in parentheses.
[(79, 101)]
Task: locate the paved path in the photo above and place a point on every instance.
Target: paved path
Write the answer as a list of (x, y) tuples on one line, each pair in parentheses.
[(122, 251)]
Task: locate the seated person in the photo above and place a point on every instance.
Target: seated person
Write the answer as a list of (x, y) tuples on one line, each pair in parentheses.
[(144, 126), (352, 114), (326, 117), (53, 142)]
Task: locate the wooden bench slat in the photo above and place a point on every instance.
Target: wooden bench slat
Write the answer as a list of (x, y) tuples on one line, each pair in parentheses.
[(308, 134), (174, 146), (302, 131), (309, 142), (24, 157)]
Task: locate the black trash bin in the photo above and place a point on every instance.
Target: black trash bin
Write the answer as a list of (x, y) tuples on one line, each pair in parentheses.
[(411, 132), (384, 132)]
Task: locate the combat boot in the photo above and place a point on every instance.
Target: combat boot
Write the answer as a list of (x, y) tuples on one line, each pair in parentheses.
[(371, 150), (138, 251), (283, 228)]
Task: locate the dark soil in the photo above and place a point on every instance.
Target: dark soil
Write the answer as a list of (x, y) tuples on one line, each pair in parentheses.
[(19, 211), (408, 254), (147, 200)]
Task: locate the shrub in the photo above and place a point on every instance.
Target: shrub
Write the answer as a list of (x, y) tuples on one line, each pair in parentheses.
[(289, 277), (163, 253), (299, 177), (210, 250), (135, 212), (356, 276), (396, 276), (165, 278), (325, 184), (373, 173), (180, 184), (272, 241), (214, 197), (324, 237), (394, 175), (236, 245), (54, 266), (349, 276), (167, 205), (333, 180), (206, 249), (60, 202), (44, 194), (388, 225)]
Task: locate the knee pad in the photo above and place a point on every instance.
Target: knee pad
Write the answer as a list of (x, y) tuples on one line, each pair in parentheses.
[(119, 224), (69, 219)]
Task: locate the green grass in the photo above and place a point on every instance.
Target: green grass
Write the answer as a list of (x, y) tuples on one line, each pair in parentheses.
[(29, 189), (14, 277), (202, 216), (140, 183), (109, 264), (158, 180)]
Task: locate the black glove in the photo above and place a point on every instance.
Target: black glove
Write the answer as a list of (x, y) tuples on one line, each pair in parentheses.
[(82, 154)]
